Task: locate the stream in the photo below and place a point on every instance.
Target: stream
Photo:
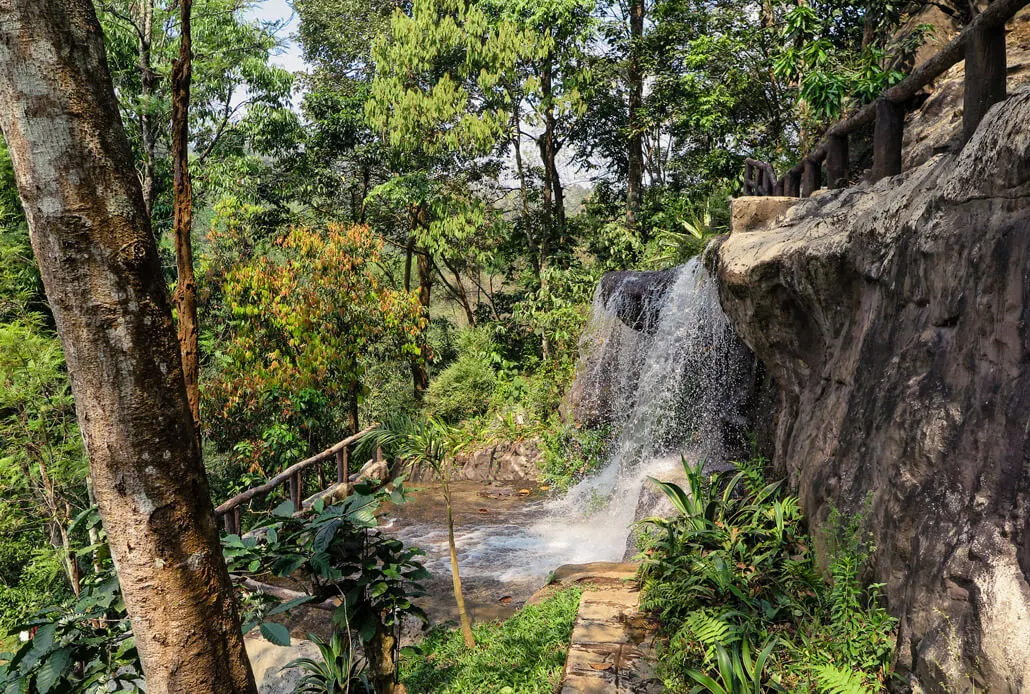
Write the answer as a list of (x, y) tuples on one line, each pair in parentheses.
[(668, 391)]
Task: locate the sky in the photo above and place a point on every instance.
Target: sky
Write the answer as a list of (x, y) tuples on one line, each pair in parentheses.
[(277, 10), (290, 59)]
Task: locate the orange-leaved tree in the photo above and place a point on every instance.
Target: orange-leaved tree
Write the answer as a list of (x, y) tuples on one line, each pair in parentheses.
[(304, 319)]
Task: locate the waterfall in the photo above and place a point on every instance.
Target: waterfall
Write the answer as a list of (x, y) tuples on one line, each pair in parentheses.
[(675, 388), (671, 383)]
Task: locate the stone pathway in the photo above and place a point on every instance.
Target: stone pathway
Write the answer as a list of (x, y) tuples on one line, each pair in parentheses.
[(611, 650)]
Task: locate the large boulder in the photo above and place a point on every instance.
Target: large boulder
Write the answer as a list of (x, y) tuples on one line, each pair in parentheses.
[(637, 297), (270, 662), (895, 319)]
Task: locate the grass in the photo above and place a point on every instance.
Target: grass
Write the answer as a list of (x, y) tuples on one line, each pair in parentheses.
[(524, 654)]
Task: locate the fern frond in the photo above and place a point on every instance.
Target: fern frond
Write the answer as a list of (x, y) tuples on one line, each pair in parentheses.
[(834, 680)]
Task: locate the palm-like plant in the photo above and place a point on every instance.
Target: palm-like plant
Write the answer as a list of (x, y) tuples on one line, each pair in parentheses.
[(339, 671), (739, 672), (429, 441)]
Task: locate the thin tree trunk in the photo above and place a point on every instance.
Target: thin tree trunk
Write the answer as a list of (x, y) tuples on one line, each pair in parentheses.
[(409, 255), (98, 259), (352, 411), (186, 284), (59, 533), (634, 188), (459, 595), (148, 87), (420, 375), (868, 27)]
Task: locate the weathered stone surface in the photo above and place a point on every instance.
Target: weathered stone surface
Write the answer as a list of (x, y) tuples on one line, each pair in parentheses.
[(753, 213), (505, 462), (269, 660), (640, 294), (893, 317), (611, 646)]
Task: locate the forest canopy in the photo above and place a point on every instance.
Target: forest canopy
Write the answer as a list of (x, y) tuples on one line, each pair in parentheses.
[(415, 223)]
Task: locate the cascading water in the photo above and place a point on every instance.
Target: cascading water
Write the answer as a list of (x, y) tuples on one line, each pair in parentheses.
[(664, 374), (673, 392)]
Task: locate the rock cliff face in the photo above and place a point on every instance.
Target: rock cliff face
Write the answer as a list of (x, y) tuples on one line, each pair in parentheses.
[(894, 318)]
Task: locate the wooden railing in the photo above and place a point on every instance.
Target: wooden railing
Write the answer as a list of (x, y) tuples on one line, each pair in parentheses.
[(229, 511), (982, 45)]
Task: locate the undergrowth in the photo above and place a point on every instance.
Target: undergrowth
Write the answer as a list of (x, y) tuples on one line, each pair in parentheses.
[(742, 608), (524, 654)]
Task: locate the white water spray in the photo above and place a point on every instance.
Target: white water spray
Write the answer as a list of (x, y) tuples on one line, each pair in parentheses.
[(668, 390)]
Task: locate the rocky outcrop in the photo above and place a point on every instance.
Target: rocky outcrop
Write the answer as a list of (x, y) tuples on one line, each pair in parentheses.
[(640, 296), (271, 663), (894, 318), (936, 126), (510, 461)]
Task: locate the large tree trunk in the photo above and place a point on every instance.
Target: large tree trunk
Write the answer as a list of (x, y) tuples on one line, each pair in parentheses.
[(636, 102), (186, 284), (92, 240)]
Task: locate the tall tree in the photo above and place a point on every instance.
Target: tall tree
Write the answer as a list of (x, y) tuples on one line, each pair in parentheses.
[(636, 103), (100, 268), (182, 224)]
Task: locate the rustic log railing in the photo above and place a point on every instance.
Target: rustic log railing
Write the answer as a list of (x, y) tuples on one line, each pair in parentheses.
[(230, 511), (981, 45)]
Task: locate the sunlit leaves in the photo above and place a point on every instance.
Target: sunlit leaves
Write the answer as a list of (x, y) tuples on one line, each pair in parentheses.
[(304, 317)]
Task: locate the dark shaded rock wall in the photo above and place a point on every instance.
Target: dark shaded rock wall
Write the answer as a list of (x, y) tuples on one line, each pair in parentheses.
[(893, 317)]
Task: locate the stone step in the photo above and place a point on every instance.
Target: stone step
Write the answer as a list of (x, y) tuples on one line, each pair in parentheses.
[(612, 641)]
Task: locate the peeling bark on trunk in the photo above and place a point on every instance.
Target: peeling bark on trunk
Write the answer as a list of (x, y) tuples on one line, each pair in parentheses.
[(92, 238), (186, 286)]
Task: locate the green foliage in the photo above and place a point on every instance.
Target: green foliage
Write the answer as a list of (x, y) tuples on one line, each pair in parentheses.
[(683, 227), (80, 647), (339, 552), (338, 672), (571, 453), (82, 644), (524, 654), (830, 76), (462, 390), (732, 580), (303, 321)]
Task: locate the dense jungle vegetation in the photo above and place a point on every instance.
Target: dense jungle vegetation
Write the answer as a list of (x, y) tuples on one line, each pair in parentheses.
[(413, 225)]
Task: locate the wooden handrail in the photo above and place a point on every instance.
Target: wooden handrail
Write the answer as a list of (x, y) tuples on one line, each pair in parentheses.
[(994, 17), (289, 472)]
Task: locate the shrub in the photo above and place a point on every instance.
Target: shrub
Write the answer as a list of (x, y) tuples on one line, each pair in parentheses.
[(463, 389), (731, 577), (522, 655)]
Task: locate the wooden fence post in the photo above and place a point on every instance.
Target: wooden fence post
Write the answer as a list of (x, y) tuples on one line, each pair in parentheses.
[(297, 491), (793, 187), (986, 76), (837, 155), (227, 524), (780, 187), (237, 524), (748, 181), (811, 178), (888, 139), (342, 463)]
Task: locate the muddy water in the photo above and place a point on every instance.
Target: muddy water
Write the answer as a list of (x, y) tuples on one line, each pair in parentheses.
[(508, 543)]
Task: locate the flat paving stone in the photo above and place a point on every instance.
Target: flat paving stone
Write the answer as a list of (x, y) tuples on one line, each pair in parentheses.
[(611, 648)]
